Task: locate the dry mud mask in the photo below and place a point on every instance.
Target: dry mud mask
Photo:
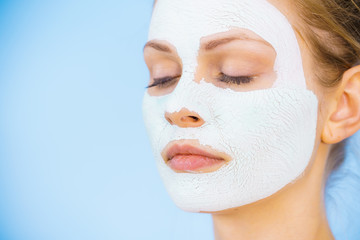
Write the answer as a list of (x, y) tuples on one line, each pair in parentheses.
[(269, 133)]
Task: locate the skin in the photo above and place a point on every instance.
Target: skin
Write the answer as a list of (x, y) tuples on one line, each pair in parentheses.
[(297, 211)]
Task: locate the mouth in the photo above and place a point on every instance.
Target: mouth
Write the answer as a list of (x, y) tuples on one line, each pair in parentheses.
[(188, 156)]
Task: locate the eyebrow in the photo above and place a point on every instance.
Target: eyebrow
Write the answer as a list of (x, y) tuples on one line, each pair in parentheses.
[(208, 46), (215, 43), (158, 46)]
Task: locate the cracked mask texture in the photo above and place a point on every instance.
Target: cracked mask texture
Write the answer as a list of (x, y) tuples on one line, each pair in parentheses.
[(269, 133)]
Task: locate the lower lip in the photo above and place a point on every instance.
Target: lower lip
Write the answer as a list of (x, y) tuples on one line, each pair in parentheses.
[(194, 163)]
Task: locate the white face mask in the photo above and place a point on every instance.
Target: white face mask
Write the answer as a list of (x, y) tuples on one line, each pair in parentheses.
[(268, 133)]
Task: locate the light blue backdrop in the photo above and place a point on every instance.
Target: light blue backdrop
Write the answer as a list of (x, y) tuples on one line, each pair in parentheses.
[(75, 162)]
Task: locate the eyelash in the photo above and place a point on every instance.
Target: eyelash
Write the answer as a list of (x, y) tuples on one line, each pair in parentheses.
[(162, 82), (238, 80)]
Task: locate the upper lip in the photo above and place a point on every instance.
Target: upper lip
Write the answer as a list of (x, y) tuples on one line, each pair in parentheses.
[(188, 147)]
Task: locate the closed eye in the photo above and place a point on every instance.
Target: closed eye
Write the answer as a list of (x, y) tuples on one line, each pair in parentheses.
[(163, 82), (238, 80)]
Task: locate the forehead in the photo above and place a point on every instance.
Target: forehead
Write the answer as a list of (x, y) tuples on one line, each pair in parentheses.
[(179, 20)]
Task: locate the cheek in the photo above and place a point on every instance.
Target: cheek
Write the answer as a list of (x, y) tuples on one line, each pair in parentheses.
[(274, 121)]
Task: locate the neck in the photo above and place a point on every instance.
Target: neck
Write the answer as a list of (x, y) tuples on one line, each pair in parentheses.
[(295, 212)]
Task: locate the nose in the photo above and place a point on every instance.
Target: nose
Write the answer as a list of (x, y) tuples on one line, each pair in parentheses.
[(184, 119)]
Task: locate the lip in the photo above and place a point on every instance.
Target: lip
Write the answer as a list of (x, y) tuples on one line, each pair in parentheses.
[(188, 156)]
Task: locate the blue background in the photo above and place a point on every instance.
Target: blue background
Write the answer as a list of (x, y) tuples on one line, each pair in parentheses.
[(75, 162)]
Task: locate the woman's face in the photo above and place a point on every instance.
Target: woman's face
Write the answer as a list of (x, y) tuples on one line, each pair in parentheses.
[(230, 116)]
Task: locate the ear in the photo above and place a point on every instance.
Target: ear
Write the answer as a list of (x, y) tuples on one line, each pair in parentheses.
[(344, 120)]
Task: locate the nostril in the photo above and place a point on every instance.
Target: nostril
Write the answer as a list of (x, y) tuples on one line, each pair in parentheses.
[(190, 118)]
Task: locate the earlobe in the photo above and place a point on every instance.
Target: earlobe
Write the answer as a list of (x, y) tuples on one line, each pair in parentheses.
[(344, 121)]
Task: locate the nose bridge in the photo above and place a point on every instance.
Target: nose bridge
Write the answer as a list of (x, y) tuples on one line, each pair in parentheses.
[(182, 96)]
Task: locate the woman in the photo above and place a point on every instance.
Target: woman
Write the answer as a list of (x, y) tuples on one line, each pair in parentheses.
[(247, 102)]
